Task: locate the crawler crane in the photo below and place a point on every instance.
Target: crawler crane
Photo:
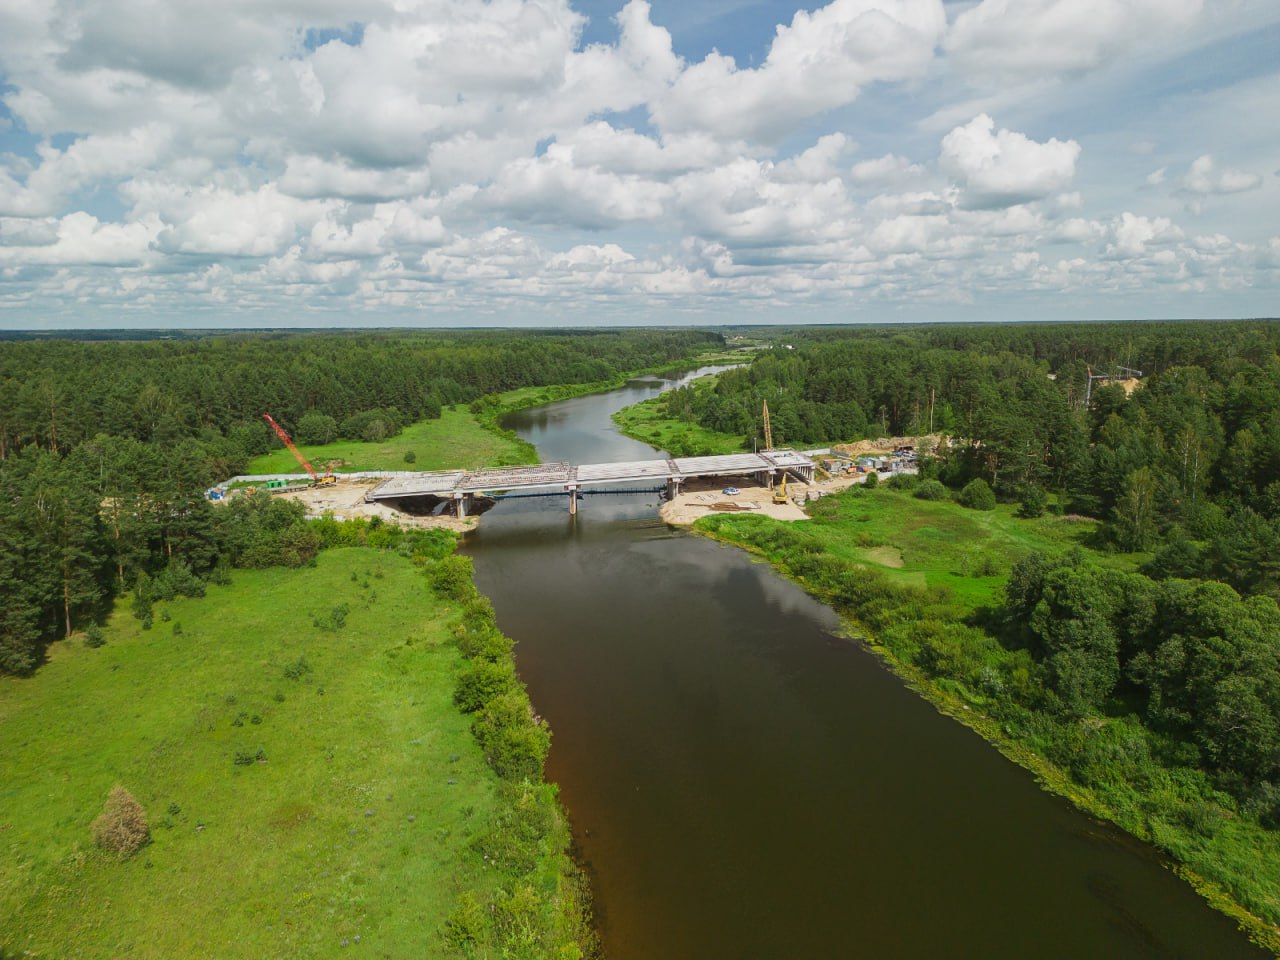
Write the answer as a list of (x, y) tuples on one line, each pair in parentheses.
[(779, 493), (327, 480)]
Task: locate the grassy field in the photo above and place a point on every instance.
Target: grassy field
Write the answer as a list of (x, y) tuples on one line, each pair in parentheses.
[(348, 831), (646, 421), (938, 543), (457, 439)]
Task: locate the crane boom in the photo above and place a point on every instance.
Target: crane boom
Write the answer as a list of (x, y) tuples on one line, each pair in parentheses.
[(297, 454), (768, 431)]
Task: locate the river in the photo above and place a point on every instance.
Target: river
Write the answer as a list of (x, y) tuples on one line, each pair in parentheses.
[(745, 783)]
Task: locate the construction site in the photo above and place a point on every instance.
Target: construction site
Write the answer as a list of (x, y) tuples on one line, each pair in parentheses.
[(773, 482)]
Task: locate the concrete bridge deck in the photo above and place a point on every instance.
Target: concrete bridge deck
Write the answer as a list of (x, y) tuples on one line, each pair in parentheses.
[(462, 486)]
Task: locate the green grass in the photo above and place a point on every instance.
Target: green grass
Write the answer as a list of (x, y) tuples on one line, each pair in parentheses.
[(939, 543), (353, 827), (456, 440), (646, 421)]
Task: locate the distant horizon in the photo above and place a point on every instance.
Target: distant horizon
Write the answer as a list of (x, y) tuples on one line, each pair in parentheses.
[(6, 334)]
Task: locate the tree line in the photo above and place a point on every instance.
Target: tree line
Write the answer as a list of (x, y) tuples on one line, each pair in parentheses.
[(1187, 464), (107, 448)]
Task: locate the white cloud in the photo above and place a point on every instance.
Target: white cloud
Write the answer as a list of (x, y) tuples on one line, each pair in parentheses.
[(821, 61), (889, 169), (1078, 230), (1133, 235), (1005, 168), (552, 189), (391, 227), (1014, 41), (746, 201), (80, 239), (599, 145), (1204, 178), (59, 173), (906, 234), (819, 163), (312, 176), (226, 222), (616, 78)]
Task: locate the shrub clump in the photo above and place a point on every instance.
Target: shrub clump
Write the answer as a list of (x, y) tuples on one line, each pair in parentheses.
[(931, 490), (483, 643), (872, 481), (978, 495), (514, 741), (1033, 503), (451, 577), (122, 827), (335, 619), (482, 682)]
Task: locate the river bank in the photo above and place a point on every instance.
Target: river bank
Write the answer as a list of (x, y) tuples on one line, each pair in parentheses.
[(1227, 860)]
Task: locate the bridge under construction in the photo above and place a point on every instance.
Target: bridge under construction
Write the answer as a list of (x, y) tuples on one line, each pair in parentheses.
[(462, 487)]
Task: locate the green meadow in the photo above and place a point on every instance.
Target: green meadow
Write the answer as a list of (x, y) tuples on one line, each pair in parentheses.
[(648, 422), (922, 543), (310, 787), (456, 439)]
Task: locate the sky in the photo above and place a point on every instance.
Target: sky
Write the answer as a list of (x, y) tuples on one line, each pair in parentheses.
[(180, 163)]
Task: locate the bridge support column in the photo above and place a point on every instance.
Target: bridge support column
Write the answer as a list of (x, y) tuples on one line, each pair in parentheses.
[(460, 502), (573, 500), (673, 488)]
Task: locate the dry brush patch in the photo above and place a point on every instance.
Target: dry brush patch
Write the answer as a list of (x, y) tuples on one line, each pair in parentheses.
[(121, 828)]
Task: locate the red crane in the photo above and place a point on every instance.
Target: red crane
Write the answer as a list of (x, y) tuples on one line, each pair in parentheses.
[(320, 481)]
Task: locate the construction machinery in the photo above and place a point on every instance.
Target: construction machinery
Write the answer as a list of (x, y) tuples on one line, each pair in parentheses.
[(327, 480), (780, 492)]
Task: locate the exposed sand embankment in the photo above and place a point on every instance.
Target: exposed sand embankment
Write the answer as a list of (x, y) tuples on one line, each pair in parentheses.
[(700, 499), (345, 500)]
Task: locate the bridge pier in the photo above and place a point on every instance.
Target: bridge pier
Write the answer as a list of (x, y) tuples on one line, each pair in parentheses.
[(460, 503), (673, 488), (573, 499)]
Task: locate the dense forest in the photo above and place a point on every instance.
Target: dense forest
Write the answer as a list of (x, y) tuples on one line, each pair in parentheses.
[(1188, 465), (107, 449)]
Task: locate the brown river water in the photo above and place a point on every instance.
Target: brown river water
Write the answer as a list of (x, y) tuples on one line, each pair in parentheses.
[(745, 783)]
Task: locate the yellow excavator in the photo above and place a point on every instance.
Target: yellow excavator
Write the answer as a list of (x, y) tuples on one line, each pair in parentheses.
[(780, 492)]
